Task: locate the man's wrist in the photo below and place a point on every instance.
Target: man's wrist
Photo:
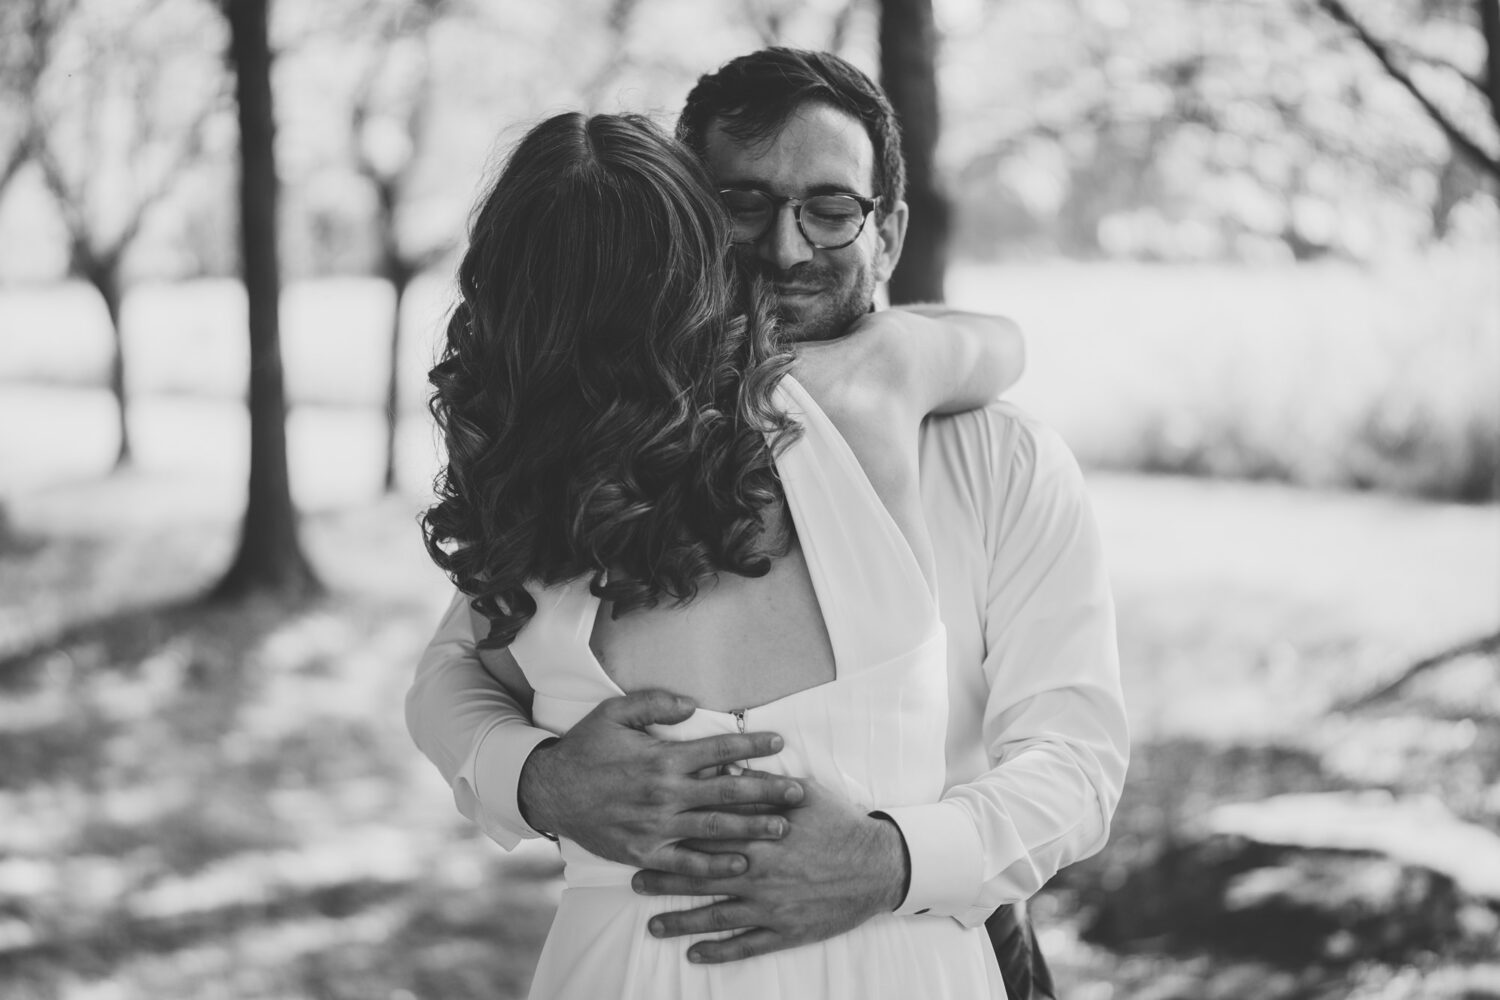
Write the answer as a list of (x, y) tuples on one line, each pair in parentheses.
[(531, 797), (896, 880)]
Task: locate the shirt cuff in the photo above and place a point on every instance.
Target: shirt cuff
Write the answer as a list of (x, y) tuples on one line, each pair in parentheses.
[(947, 865), (488, 785)]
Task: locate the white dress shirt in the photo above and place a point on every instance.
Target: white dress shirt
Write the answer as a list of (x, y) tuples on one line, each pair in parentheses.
[(1037, 742)]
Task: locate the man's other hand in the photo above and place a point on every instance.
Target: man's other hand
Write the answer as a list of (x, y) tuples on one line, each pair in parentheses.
[(836, 868), (624, 795)]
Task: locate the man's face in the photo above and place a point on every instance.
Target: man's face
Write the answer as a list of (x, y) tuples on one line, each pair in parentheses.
[(820, 150)]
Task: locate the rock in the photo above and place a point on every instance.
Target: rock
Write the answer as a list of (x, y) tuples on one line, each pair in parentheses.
[(1324, 878)]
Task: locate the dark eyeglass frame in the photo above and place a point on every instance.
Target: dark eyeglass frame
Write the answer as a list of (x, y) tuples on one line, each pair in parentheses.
[(867, 205)]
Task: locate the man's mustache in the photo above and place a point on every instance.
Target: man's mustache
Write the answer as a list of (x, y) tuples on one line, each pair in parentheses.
[(805, 274)]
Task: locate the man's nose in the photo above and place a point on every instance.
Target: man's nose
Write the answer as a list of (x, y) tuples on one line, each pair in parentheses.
[(783, 245)]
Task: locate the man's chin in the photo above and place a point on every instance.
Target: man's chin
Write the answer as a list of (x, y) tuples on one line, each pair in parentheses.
[(808, 321)]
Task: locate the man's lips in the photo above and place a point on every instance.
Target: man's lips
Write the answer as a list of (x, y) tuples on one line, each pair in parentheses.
[(789, 291)]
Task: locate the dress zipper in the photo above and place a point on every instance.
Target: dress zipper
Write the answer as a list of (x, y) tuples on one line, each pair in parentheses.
[(739, 722)]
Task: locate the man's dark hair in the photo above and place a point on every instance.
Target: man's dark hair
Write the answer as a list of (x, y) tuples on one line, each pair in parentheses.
[(752, 97)]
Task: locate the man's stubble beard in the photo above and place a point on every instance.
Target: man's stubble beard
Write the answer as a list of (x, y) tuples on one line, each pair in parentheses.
[(832, 319)]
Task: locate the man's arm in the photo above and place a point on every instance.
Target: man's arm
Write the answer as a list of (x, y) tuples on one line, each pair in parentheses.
[(1054, 721), (1054, 730), (467, 723), (606, 783)]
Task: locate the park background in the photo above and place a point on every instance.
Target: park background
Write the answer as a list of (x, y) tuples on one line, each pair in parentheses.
[(1255, 246)]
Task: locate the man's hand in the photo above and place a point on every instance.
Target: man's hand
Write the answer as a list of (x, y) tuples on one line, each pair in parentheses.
[(835, 868), (624, 795)]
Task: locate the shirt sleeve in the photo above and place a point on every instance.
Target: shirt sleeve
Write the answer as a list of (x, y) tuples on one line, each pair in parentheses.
[(1054, 720), (472, 728)]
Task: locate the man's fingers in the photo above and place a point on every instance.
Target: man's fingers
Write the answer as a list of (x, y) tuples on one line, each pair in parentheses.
[(686, 864), (640, 709), (717, 846), (791, 791), (727, 915), (727, 748), (710, 825), (716, 882), (749, 788), (732, 949)]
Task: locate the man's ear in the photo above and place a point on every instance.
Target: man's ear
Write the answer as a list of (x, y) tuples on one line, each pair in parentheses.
[(891, 237)]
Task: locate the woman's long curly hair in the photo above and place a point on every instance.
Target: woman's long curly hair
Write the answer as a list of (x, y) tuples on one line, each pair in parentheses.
[(605, 388)]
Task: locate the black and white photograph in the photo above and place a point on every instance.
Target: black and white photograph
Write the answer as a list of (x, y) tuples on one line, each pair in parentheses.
[(746, 499)]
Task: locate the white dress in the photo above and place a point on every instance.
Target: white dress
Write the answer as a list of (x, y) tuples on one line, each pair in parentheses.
[(875, 734)]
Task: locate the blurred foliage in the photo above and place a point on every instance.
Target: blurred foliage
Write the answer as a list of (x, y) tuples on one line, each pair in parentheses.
[(1150, 129), (1179, 130)]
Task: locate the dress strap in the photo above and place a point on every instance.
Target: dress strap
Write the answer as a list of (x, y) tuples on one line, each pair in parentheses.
[(874, 597), (557, 639)]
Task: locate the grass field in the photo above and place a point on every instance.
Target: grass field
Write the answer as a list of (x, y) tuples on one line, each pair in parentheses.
[(1328, 375)]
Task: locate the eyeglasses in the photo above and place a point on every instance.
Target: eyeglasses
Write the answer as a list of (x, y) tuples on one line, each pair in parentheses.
[(826, 221)]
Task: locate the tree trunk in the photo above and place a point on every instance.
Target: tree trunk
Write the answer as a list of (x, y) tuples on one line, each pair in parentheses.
[(399, 279), (105, 277), (394, 269), (1489, 23), (908, 71), (269, 557)]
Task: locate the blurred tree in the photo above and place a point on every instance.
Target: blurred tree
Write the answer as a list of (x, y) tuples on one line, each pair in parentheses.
[(1401, 62), (389, 119), (119, 96), (269, 557), (1479, 150), (19, 66), (1174, 129), (827, 25), (617, 19), (908, 72)]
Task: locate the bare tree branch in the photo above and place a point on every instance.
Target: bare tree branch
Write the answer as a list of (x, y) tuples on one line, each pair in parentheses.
[(617, 27), (19, 156), (1487, 645), (1455, 133), (362, 107), (838, 33), (80, 233), (187, 151), (1415, 55), (1489, 24), (767, 23)]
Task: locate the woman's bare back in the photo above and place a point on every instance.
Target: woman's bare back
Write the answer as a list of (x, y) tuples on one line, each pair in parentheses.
[(747, 641)]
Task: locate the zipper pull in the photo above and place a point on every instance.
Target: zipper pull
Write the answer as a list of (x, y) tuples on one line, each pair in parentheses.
[(739, 722)]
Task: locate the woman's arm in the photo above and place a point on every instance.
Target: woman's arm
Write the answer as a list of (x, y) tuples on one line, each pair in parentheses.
[(920, 359), (958, 360)]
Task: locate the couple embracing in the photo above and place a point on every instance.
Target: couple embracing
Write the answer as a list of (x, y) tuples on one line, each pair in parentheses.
[(799, 645)]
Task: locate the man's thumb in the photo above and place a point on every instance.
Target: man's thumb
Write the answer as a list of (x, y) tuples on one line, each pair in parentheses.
[(640, 709)]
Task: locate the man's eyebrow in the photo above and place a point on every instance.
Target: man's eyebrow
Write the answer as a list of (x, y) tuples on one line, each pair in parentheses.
[(833, 189), (810, 190)]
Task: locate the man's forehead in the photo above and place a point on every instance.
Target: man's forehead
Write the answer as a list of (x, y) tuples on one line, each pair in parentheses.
[(818, 146)]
